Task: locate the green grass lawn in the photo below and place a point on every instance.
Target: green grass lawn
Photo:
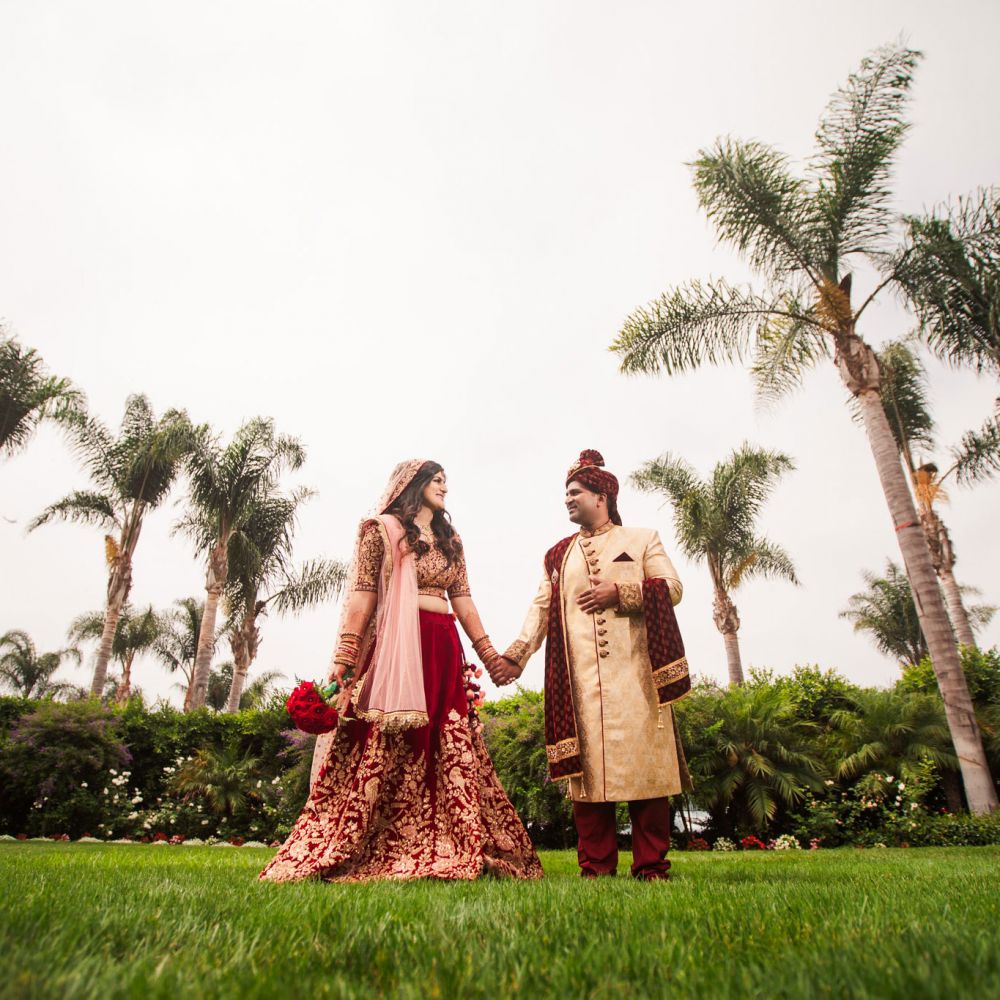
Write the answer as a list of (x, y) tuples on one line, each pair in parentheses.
[(136, 921)]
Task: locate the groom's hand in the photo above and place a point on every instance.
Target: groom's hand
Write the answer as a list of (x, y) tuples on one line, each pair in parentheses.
[(600, 596), (503, 671)]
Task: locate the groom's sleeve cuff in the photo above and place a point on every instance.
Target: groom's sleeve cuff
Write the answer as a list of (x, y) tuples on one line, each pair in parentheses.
[(519, 652), (629, 598)]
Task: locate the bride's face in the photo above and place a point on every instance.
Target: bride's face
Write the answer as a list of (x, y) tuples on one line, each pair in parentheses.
[(436, 491)]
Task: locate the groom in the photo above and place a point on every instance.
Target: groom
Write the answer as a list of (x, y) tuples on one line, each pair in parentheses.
[(614, 661)]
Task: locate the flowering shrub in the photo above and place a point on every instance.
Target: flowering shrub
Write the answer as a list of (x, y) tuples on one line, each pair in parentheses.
[(752, 843), (723, 844), (697, 844), (786, 842)]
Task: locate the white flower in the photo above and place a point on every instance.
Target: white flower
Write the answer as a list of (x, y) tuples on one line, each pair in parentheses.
[(83, 784), (276, 780), (133, 815), (259, 783), (111, 770), (136, 800), (901, 786), (889, 778), (105, 791), (913, 805), (828, 782), (204, 822)]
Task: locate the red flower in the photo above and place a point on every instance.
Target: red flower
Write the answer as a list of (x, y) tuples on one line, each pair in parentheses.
[(752, 843), (310, 711), (697, 844), (161, 836)]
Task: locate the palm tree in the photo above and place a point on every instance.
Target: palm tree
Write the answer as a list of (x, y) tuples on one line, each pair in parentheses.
[(888, 613), (756, 757), (28, 672), (800, 236), (177, 645), (221, 777), (714, 522), (133, 473), (261, 575), (28, 395), (227, 485), (255, 694), (135, 633), (904, 397), (890, 732)]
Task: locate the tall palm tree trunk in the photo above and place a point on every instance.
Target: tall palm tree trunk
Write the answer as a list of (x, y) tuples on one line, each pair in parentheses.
[(125, 688), (119, 586), (943, 560), (119, 556), (244, 643), (956, 608), (215, 582), (727, 621), (859, 370)]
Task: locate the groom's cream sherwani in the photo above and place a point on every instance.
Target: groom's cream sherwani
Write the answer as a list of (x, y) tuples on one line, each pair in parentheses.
[(627, 740)]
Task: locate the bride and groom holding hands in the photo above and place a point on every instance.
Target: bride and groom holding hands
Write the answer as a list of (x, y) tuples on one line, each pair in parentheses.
[(404, 787)]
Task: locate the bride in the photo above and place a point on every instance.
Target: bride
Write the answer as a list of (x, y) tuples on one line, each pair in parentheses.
[(404, 788)]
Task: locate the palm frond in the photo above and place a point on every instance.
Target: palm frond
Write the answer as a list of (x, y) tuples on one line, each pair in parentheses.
[(745, 189), (785, 349), (949, 271), (765, 560), (317, 581), (857, 140), (904, 396), (977, 457), (698, 323), (28, 395), (83, 507)]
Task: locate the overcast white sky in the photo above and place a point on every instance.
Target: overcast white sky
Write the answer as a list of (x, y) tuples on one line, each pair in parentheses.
[(409, 229)]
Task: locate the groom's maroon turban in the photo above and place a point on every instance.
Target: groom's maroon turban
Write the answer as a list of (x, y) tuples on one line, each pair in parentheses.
[(589, 471)]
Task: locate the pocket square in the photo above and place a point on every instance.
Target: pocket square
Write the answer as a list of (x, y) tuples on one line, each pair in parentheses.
[(624, 557)]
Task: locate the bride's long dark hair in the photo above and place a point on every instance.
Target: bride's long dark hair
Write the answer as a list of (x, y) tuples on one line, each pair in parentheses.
[(408, 504)]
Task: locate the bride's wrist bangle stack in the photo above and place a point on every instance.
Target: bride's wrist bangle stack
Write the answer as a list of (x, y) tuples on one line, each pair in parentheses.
[(484, 649), (348, 650)]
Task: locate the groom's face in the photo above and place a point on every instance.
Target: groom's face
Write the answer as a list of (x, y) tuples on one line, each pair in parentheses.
[(583, 506)]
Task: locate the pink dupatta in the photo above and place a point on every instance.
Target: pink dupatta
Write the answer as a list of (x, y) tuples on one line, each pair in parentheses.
[(392, 689)]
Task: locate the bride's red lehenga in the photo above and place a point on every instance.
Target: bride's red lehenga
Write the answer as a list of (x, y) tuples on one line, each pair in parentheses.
[(423, 802)]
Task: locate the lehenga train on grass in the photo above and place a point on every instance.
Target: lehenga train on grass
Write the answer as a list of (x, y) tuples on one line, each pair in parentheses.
[(404, 787)]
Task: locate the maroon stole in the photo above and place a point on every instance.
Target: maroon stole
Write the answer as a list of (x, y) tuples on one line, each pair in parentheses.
[(666, 654)]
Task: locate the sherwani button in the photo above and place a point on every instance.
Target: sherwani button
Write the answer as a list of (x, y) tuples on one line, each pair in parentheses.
[(600, 621), (602, 642), (604, 652), (602, 631)]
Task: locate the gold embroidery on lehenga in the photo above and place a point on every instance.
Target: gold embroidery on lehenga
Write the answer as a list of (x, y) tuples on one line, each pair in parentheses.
[(379, 811)]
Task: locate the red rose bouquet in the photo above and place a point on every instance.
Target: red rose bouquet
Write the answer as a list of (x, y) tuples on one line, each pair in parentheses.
[(311, 707)]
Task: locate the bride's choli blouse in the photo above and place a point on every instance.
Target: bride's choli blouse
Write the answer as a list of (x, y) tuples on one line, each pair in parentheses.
[(435, 578)]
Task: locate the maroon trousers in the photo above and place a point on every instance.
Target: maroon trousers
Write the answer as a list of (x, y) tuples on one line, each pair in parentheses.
[(597, 841)]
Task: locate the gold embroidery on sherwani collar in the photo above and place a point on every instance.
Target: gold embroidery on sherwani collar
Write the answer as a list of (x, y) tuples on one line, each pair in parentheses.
[(664, 675), (629, 598), (603, 529), (518, 652), (563, 749)]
